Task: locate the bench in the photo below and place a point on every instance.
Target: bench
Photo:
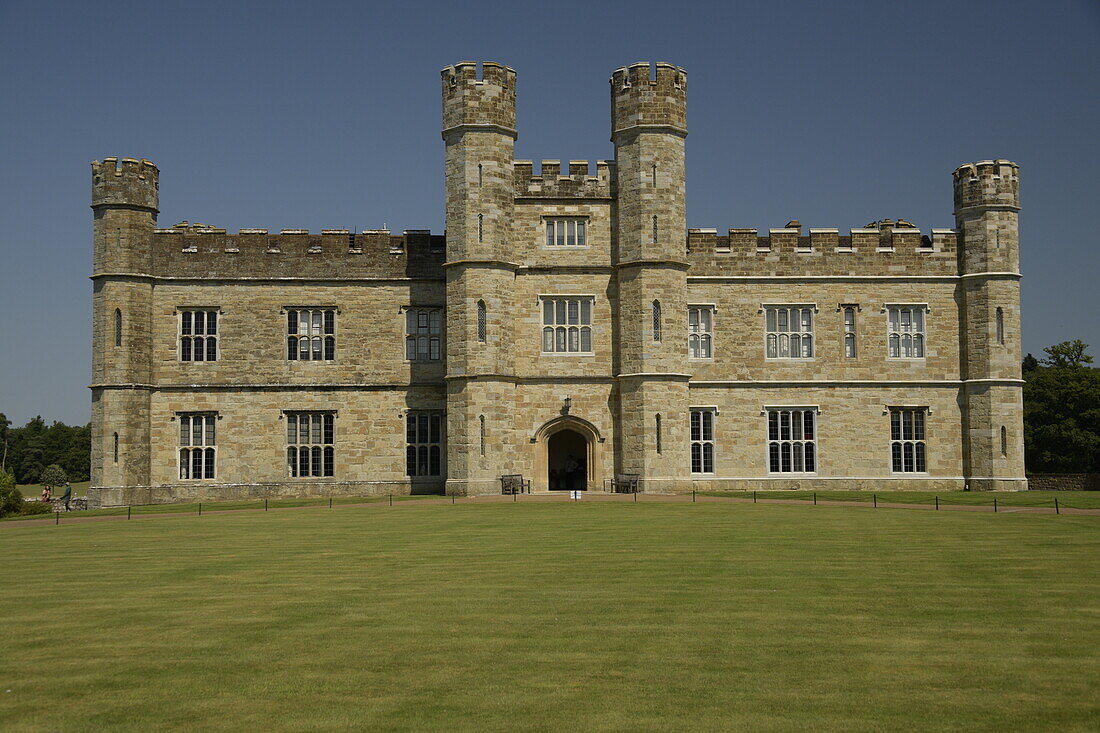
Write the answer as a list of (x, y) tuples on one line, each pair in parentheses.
[(513, 483), (625, 483)]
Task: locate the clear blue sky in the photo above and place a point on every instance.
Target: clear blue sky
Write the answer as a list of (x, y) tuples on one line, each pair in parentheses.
[(326, 115)]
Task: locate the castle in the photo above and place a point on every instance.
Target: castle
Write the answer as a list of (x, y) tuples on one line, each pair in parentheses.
[(568, 327)]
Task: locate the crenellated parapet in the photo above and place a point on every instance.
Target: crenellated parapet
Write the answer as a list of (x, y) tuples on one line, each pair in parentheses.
[(485, 100), (873, 250), (189, 250), (639, 101), (576, 183), (987, 183), (135, 183)]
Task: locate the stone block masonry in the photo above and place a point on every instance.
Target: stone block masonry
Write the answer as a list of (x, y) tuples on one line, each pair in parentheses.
[(568, 326)]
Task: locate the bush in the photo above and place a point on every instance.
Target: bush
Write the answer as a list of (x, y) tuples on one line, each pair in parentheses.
[(36, 507), (11, 499), (54, 476)]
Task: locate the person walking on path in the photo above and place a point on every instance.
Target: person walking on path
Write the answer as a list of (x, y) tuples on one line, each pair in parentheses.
[(67, 496)]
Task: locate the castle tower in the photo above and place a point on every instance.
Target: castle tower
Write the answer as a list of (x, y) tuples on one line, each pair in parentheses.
[(648, 127), (479, 121), (124, 206), (987, 205)]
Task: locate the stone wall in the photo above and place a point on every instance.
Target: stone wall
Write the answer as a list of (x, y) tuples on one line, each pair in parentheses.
[(1063, 481)]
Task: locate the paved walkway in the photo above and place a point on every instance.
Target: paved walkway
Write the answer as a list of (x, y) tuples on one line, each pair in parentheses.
[(76, 518)]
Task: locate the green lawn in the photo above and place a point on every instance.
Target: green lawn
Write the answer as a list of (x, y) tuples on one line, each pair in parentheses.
[(562, 616), (80, 488), (1075, 499)]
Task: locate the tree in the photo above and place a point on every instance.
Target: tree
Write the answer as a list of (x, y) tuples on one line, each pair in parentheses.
[(1068, 354), (11, 500), (53, 475), (1029, 364), (1062, 412)]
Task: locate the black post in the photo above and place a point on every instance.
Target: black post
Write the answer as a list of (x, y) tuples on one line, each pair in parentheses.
[(815, 498), (874, 499), (391, 499), (58, 521), (994, 505), (330, 502), (513, 497), (127, 512), (754, 497), (693, 496), (452, 498), (937, 503), (200, 508), (636, 497), (265, 505), (1056, 506)]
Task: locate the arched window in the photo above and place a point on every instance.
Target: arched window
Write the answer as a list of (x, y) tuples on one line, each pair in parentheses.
[(481, 419), (482, 317), (658, 425), (654, 228), (656, 320), (480, 228), (655, 175), (1004, 441), (479, 174), (1000, 326), (118, 327), (116, 447)]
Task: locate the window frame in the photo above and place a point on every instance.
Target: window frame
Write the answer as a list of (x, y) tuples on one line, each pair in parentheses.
[(426, 445), (765, 308), (209, 450), (922, 441), (815, 440), (849, 332), (324, 447), (566, 326), (922, 333), (441, 334), (308, 337), (700, 334), (581, 231), (181, 310), (702, 440)]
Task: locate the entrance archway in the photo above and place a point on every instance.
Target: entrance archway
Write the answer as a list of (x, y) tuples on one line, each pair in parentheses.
[(559, 439), (567, 461)]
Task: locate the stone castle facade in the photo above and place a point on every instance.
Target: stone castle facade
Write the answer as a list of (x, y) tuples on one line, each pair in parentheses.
[(568, 327)]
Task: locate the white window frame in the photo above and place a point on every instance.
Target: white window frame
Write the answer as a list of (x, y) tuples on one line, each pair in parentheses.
[(919, 444), (424, 337), (774, 329), (421, 431), (795, 439), (849, 332), (698, 334), (918, 337), (206, 447), (324, 337), (205, 335), (703, 441), (561, 333), (319, 443), (565, 232)]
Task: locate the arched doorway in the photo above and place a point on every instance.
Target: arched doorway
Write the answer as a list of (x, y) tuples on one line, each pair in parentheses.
[(567, 461), (558, 440)]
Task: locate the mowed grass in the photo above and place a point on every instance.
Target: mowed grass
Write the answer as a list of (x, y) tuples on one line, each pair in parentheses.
[(80, 488), (575, 616), (1073, 499)]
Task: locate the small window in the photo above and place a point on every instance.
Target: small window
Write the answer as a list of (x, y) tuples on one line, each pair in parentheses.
[(907, 447), (310, 449), (792, 440), (198, 335), (311, 334), (849, 332), (700, 331), (655, 229), (702, 440), (480, 228), (1000, 326), (481, 420), (658, 431), (572, 232), (479, 174), (567, 325), (656, 320), (1004, 441), (116, 447), (423, 334), (198, 445), (423, 443), (789, 332), (482, 325), (905, 337), (118, 327)]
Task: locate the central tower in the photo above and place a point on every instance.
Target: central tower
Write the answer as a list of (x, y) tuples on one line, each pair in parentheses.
[(648, 127)]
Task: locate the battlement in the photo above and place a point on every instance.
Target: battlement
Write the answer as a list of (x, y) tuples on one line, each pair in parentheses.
[(576, 184), (488, 100), (639, 98), (135, 183), (987, 183)]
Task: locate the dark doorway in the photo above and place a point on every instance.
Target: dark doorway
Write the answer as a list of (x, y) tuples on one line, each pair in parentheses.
[(567, 461)]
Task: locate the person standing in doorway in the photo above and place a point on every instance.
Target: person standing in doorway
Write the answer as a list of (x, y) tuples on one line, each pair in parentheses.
[(572, 470)]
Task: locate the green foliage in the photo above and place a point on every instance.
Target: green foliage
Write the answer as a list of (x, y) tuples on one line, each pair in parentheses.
[(36, 507), (11, 499), (54, 476), (33, 447), (1030, 364), (1062, 412)]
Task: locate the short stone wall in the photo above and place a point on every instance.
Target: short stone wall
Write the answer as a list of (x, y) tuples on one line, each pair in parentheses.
[(1063, 481)]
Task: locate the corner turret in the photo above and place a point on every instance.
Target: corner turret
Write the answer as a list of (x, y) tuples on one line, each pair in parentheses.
[(488, 101), (136, 184), (638, 100)]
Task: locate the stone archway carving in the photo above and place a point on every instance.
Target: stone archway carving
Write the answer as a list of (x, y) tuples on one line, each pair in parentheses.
[(594, 458)]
